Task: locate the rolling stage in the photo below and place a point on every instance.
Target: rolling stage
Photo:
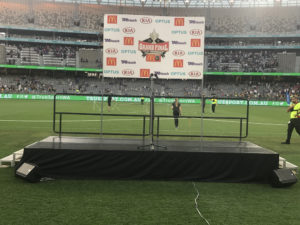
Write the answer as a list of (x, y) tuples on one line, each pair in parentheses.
[(79, 157)]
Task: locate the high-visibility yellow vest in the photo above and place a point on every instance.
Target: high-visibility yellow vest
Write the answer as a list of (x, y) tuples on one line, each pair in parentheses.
[(296, 111)]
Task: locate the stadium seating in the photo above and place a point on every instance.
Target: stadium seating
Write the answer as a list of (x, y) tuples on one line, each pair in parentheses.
[(45, 84)]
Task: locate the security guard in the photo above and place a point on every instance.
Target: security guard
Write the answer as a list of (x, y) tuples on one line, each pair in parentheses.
[(213, 104), (294, 122)]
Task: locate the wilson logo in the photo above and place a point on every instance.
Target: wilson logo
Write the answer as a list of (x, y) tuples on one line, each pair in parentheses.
[(128, 30), (196, 32), (128, 72), (195, 43), (178, 53), (111, 61), (144, 72), (195, 74), (179, 21), (178, 63), (112, 19), (111, 51), (146, 20), (128, 41)]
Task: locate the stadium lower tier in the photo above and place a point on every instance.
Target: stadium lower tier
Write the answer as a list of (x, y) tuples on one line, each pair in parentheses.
[(82, 157)]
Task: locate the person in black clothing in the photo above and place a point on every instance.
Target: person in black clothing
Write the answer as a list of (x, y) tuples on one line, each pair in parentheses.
[(203, 104), (142, 100), (109, 98), (176, 107)]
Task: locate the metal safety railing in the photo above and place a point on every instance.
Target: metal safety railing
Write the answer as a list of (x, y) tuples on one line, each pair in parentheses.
[(58, 128)]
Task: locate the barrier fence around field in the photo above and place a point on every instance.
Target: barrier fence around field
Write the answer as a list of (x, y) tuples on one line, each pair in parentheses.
[(144, 119), (90, 97)]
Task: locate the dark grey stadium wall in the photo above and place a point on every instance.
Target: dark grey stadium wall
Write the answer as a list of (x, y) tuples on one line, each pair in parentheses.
[(89, 58), (2, 54)]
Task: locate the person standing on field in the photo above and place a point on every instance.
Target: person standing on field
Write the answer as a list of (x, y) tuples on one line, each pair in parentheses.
[(213, 104), (176, 107), (294, 122)]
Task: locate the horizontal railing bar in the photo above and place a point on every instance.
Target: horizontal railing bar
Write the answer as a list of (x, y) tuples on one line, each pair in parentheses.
[(70, 132), (139, 115), (99, 114), (208, 136)]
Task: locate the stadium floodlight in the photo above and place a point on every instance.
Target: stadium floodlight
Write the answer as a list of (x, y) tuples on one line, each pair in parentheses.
[(143, 2)]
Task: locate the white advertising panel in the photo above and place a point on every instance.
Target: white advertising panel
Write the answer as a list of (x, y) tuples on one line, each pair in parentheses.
[(135, 46)]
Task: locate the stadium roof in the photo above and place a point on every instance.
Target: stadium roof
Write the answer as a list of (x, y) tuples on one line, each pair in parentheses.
[(190, 3)]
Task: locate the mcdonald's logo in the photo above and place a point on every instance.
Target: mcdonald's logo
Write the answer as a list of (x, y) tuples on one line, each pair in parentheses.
[(111, 61), (144, 72), (128, 41), (179, 21), (153, 58), (195, 42), (112, 19), (178, 63)]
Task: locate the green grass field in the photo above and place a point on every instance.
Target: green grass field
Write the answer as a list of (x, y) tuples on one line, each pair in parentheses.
[(143, 202)]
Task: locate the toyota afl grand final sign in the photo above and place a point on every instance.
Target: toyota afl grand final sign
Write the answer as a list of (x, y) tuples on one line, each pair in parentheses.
[(135, 46)]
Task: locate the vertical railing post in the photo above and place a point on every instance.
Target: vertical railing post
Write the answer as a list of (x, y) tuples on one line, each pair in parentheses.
[(144, 126), (247, 119), (157, 131), (60, 121), (241, 128), (54, 112)]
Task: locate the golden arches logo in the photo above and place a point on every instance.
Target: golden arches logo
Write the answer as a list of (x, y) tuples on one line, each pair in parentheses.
[(179, 21), (112, 19)]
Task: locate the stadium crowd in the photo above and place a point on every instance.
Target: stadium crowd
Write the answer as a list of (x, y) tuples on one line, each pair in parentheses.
[(240, 88), (245, 61), (89, 17)]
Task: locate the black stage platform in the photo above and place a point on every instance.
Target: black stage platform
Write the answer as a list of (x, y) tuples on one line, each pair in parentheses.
[(78, 157)]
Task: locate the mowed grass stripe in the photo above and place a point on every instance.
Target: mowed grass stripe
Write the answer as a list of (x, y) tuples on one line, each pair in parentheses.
[(118, 202)]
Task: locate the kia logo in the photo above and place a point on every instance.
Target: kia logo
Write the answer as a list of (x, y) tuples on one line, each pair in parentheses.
[(194, 74), (128, 30), (128, 72), (146, 20), (111, 51), (178, 53), (195, 32)]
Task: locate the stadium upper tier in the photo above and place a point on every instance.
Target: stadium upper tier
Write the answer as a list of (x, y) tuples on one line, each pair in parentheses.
[(74, 16), (189, 3)]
